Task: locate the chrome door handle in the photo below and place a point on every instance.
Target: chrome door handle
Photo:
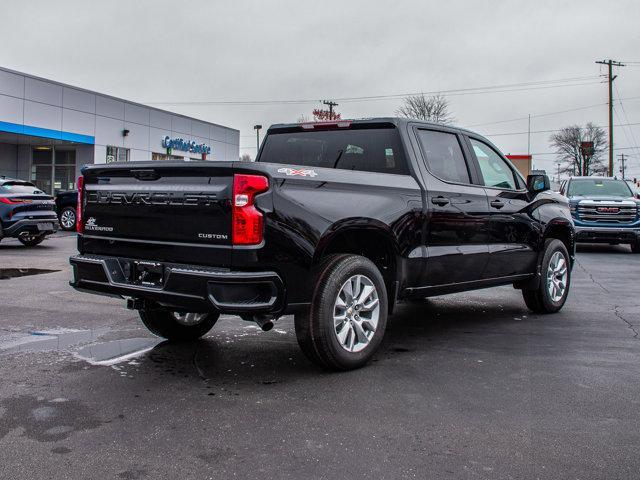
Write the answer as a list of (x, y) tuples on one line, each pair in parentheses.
[(497, 204)]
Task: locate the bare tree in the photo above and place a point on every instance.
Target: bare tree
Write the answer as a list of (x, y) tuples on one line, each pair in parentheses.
[(570, 159), (245, 157), (433, 109), (302, 118)]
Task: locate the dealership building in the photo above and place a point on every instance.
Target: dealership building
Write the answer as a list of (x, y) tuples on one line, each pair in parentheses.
[(49, 130)]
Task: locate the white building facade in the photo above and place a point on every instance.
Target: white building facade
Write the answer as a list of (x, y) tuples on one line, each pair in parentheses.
[(48, 130)]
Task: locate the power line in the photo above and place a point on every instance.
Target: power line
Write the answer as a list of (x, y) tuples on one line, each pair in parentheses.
[(556, 153), (534, 115), (626, 117), (634, 145), (547, 131), (564, 82)]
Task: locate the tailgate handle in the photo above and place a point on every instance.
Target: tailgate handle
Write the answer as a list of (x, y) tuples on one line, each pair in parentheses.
[(146, 174)]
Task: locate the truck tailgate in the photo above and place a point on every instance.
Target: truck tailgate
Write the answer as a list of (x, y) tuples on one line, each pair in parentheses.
[(159, 206)]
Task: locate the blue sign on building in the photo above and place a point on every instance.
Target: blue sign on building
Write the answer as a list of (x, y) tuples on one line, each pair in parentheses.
[(185, 145)]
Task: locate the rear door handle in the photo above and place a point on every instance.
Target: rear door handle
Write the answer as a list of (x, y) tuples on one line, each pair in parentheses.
[(440, 201), (497, 204)]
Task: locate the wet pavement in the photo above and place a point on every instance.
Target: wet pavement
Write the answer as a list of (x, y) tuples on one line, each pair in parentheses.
[(465, 386)]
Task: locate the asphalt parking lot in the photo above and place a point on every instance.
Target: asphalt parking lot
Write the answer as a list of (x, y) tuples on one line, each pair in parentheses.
[(465, 386)]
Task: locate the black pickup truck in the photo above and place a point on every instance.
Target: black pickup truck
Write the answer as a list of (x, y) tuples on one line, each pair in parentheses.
[(334, 222)]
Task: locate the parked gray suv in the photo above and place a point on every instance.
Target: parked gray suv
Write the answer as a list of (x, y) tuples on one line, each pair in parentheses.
[(26, 212)]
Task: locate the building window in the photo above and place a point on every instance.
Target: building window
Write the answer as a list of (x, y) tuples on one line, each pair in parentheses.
[(117, 154), (53, 169), (164, 156)]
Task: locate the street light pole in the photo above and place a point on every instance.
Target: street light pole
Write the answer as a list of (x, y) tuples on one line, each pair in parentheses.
[(257, 128)]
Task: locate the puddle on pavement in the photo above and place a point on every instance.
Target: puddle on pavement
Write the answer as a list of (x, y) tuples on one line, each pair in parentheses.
[(40, 340), (116, 351), (7, 273), (96, 352)]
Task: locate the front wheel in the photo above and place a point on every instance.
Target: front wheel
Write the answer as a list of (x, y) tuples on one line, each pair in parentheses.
[(635, 246), (555, 271), (177, 326), (346, 322), (30, 240)]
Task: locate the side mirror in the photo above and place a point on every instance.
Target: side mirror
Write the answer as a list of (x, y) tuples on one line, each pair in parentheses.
[(538, 183)]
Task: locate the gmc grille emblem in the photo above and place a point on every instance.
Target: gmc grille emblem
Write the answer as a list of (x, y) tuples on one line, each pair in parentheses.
[(151, 198), (608, 209)]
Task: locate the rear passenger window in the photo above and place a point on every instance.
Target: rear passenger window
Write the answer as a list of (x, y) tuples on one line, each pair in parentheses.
[(444, 156)]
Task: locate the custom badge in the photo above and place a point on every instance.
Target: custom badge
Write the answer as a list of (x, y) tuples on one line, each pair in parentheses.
[(298, 172)]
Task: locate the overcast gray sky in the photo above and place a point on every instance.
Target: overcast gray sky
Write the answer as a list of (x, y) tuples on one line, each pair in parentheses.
[(170, 51)]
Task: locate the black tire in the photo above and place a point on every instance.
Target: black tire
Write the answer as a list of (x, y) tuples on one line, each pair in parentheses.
[(164, 323), (539, 300), (31, 240), (67, 215), (315, 329), (635, 247)]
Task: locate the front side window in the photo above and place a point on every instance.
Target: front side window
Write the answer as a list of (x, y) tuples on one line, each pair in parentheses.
[(495, 170), (444, 156)]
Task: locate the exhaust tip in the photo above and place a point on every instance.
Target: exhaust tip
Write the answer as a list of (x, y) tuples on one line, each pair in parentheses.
[(264, 323), (266, 326)]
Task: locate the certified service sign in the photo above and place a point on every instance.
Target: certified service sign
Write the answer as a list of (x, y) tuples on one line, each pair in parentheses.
[(185, 145)]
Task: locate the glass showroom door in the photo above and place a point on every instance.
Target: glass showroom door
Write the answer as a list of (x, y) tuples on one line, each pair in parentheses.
[(42, 168), (65, 170)]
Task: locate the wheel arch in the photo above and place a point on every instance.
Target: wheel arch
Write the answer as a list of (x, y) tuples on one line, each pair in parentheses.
[(561, 229), (366, 237)]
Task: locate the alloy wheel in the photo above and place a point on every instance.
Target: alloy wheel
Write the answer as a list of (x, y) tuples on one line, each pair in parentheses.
[(557, 275), (356, 313), (68, 219)]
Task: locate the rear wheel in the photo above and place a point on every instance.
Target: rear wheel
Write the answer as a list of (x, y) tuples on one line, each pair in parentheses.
[(635, 246), (346, 322), (31, 240), (68, 218), (177, 326), (551, 294)]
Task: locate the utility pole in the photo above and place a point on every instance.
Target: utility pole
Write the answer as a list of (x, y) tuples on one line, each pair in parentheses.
[(622, 166), (330, 104), (611, 77), (257, 128), (529, 137)]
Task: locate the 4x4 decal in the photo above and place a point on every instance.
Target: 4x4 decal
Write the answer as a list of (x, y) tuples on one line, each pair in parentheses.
[(302, 172)]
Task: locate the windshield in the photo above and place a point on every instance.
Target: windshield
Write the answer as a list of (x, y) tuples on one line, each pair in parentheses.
[(369, 150), (598, 187), (19, 187)]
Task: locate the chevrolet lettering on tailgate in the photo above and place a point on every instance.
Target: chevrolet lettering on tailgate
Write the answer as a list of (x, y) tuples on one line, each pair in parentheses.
[(151, 198)]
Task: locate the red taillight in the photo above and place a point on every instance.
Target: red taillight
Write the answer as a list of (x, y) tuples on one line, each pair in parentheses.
[(247, 228), (8, 201), (79, 226)]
